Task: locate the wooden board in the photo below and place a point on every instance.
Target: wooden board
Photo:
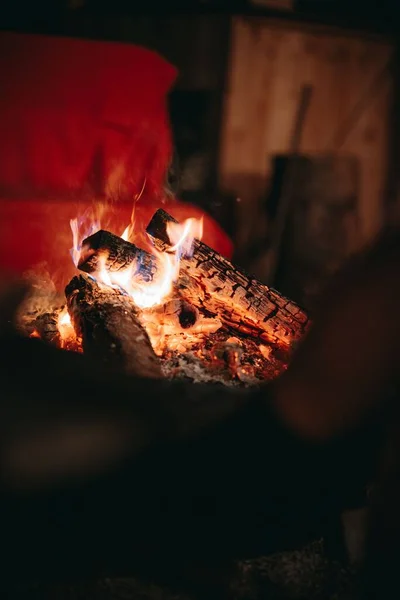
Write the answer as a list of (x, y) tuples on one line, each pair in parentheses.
[(270, 61)]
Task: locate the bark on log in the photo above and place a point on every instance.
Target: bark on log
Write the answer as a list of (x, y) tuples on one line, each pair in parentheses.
[(117, 255), (210, 281), (111, 333)]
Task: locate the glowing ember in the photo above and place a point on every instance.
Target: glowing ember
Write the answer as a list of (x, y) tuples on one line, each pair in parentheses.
[(65, 328), (170, 305), (64, 320), (265, 351), (164, 327)]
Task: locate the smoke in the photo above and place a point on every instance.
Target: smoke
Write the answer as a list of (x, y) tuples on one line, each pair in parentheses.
[(42, 297)]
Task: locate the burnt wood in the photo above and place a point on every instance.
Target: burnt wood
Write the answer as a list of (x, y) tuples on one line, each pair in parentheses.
[(207, 281), (210, 281), (47, 327), (117, 255), (111, 333)]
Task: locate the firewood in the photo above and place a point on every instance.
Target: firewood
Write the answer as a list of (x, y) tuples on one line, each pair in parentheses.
[(46, 327), (111, 333), (116, 254), (209, 281)]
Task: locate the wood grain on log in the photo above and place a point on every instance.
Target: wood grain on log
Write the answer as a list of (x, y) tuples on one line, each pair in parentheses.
[(111, 333), (210, 281)]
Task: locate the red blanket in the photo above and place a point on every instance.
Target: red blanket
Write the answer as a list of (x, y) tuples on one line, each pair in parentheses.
[(81, 122)]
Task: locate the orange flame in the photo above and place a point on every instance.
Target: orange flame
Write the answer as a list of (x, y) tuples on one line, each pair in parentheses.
[(155, 292), (145, 294), (183, 235), (65, 328), (128, 233), (82, 227)]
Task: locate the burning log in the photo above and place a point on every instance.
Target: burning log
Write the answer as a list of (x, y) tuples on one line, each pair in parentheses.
[(106, 320), (209, 281), (106, 250), (177, 325)]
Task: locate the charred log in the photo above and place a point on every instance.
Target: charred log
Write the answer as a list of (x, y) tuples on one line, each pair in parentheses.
[(110, 331), (208, 280), (46, 326), (106, 250)]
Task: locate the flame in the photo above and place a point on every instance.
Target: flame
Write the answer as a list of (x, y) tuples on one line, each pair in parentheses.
[(65, 328), (126, 233), (64, 319), (144, 294), (183, 235), (152, 293), (82, 227), (168, 264), (147, 295), (129, 231)]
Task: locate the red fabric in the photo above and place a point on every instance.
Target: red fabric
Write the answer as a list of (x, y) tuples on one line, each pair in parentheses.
[(80, 121)]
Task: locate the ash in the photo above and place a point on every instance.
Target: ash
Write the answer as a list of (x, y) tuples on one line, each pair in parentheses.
[(225, 359)]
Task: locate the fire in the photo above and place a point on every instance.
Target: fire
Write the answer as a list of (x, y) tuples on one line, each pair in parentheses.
[(168, 263), (183, 235), (82, 227), (91, 221), (65, 328), (150, 294), (128, 232), (147, 295), (64, 320), (164, 326), (153, 293)]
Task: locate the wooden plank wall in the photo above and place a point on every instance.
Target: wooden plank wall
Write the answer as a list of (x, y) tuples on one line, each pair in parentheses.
[(269, 63)]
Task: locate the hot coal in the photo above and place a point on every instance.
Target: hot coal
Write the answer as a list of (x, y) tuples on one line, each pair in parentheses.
[(187, 316)]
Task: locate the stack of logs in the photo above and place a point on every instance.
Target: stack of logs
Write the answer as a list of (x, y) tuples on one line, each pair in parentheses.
[(209, 286)]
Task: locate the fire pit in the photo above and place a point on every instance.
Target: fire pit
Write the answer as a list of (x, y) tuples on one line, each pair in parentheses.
[(176, 308)]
